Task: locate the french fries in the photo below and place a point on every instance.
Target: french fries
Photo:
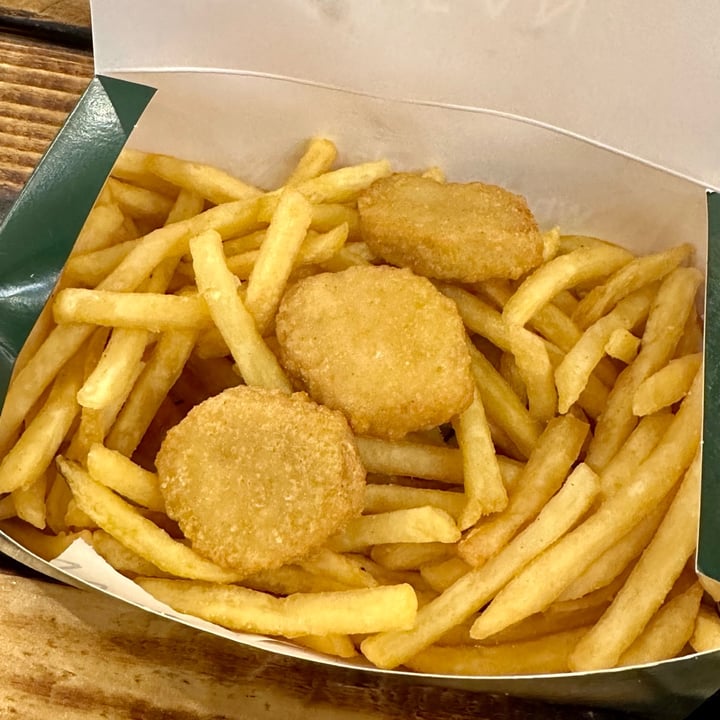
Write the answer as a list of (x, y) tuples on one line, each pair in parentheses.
[(545, 526)]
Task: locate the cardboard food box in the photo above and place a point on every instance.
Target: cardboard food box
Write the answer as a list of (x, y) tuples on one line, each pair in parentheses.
[(600, 114)]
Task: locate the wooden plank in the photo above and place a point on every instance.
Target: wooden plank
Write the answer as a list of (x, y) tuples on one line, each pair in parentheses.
[(67, 12), (88, 656), (39, 85)]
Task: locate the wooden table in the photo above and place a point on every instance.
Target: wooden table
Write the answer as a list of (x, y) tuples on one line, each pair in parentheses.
[(69, 654)]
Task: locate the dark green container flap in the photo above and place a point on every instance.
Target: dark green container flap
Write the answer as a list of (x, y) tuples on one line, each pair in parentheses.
[(41, 227), (708, 557)]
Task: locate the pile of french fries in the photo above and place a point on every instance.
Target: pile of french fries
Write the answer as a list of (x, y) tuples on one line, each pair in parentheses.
[(550, 528)]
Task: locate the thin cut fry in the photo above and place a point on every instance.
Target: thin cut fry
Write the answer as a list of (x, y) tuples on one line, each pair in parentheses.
[(317, 159), (45, 546), (667, 386), (216, 284), (29, 502), (276, 257), (150, 389), (384, 498), (617, 558), (410, 556), (334, 644), (148, 311), (123, 560), (622, 345), (484, 489), (423, 524), (539, 656), (441, 575), (205, 180), (33, 453), (501, 404), (119, 473), (674, 301), (564, 272), (129, 527), (573, 372), (637, 273), (140, 203), (545, 471), (351, 611), (668, 631), (99, 230), (706, 634)]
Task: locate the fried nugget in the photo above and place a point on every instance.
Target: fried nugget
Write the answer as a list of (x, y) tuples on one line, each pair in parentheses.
[(379, 343), (450, 231), (256, 478)]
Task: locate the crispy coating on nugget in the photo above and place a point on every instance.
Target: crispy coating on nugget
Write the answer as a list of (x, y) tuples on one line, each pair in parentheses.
[(379, 343), (465, 232), (256, 478)]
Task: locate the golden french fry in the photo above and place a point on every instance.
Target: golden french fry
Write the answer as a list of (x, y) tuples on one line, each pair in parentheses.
[(667, 386), (622, 345), (546, 469), (32, 380), (691, 340), (276, 256), (530, 657), (410, 556), (132, 166), (421, 525), (140, 203), (468, 594), (573, 372), (350, 255), (342, 568), (673, 303), (327, 216), (148, 311), (639, 272), (91, 268), (131, 529), (45, 546), (529, 351), (115, 373), (317, 159), (706, 633), (34, 451), (502, 406), (342, 185), (123, 560), (29, 502), (649, 582), (150, 389), (205, 180), (668, 631), (100, 229), (483, 485), (119, 473), (401, 457), (384, 498), (290, 579), (563, 272), (351, 611), (619, 557), (442, 574), (621, 469), (216, 283), (56, 503), (333, 644), (544, 579)]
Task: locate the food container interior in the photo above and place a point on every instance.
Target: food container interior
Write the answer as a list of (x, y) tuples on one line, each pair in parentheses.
[(250, 111)]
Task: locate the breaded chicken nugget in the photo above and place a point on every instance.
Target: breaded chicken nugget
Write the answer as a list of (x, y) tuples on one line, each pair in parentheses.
[(379, 343), (465, 232), (256, 478)]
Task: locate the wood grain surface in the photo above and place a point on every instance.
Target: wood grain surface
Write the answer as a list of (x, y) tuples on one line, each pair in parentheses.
[(39, 85)]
